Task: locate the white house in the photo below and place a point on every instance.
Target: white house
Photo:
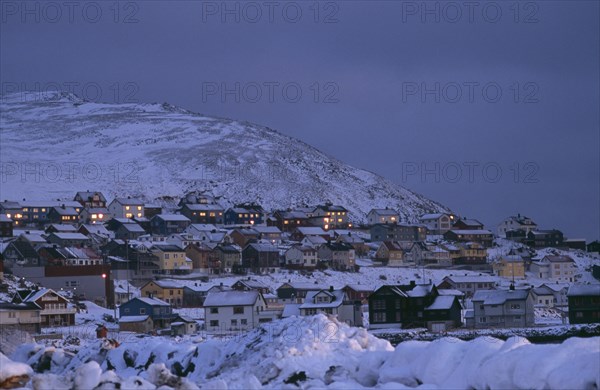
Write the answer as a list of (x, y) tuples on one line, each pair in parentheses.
[(301, 256), (126, 208), (332, 302), (382, 216), (438, 223), (235, 311), (516, 222), (555, 268)]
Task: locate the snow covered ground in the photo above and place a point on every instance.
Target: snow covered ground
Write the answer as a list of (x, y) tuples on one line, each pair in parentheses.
[(310, 352)]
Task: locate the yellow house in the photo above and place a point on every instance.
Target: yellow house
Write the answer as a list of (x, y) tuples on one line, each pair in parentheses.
[(171, 258), (510, 267), (168, 291)]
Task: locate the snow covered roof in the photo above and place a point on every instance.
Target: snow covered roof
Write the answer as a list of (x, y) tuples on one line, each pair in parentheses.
[(70, 236), (431, 216), (172, 217), (291, 309), (153, 301), (448, 291), (558, 259), (335, 299), (471, 232), (231, 298), (579, 290), (128, 319), (471, 279), (498, 297), (129, 201), (267, 229), (442, 302), (168, 283), (389, 212), (204, 207), (311, 230), (63, 228)]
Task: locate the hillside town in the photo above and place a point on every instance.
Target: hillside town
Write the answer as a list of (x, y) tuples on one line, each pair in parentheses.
[(132, 267)]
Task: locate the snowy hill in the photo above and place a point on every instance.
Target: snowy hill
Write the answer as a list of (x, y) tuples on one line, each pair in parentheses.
[(309, 352), (56, 144)]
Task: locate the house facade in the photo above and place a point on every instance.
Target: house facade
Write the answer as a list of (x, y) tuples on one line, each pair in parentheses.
[(555, 268), (55, 310), (169, 291), (438, 223), (383, 216), (166, 224), (503, 308), (301, 256), (339, 255), (334, 303), (584, 304), (126, 208), (159, 311), (516, 222), (22, 316), (235, 311)]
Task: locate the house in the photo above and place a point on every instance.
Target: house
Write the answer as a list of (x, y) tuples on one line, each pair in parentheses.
[(594, 247), (194, 295), (438, 223), (358, 292), (243, 237), (166, 290), (398, 232), (339, 255), (96, 230), (136, 324), (203, 259), (473, 256), (96, 215), (159, 311), (575, 243), (21, 316), (503, 308), (232, 311), (129, 231), (516, 222), (332, 302), (413, 252), (37, 212), (126, 208), (559, 290), (269, 233), (436, 255), (302, 232), (391, 253), (313, 241), (90, 199), (468, 284), (443, 314), (56, 310), (21, 252), (63, 214), (150, 210), (467, 224), (516, 235), (68, 239), (183, 325), (301, 256), (287, 221), (203, 213), (171, 259), (12, 210), (60, 228), (166, 224), (480, 236), (401, 306), (6, 226), (545, 238), (123, 293), (543, 297), (295, 292), (376, 216), (584, 304), (229, 257), (330, 216), (251, 284), (510, 267), (354, 240), (555, 268), (244, 214), (260, 258)]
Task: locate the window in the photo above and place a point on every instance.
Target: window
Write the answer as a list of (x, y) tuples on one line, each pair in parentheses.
[(514, 306), (214, 310), (579, 314), (126, 311), (378, 304), (233, 322), (142, 311), (214, 323), (379, 317), (238, 310), (12, 314), (244, 321), (482, 319)]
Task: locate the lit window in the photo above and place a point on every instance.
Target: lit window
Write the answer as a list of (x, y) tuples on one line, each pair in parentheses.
[(43, 210), (139, 215), (212, 214), (240, 215), (128, 215), (139, 208), (203, 214), (100, 216), (127, 208), (94, 216)]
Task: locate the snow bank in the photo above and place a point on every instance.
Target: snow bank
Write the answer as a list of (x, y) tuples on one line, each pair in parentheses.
[(316, 352)]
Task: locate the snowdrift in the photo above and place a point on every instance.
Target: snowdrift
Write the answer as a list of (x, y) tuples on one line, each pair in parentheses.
[(310, 352)]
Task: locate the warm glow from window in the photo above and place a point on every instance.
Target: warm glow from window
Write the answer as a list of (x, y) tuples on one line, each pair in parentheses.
[(128, 215), (203, 214), (285, 222), (43, 210), (100, 216), (8, 215), (139, 215), (94, 216), (140, 208), (212, 214), (393, 218), (251, 222), (326, 227), (126, 207), (339, 220), (326, 219), (240, 215)]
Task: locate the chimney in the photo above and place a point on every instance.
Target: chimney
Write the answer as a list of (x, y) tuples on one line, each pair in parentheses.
[(413, 283), (221, 284), (512, 287), (330, 288)]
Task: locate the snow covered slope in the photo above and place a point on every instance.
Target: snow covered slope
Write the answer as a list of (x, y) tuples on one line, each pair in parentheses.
[(56, 144), (309, 353)]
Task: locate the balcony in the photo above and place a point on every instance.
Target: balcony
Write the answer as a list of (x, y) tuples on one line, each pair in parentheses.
[(58, 311)]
